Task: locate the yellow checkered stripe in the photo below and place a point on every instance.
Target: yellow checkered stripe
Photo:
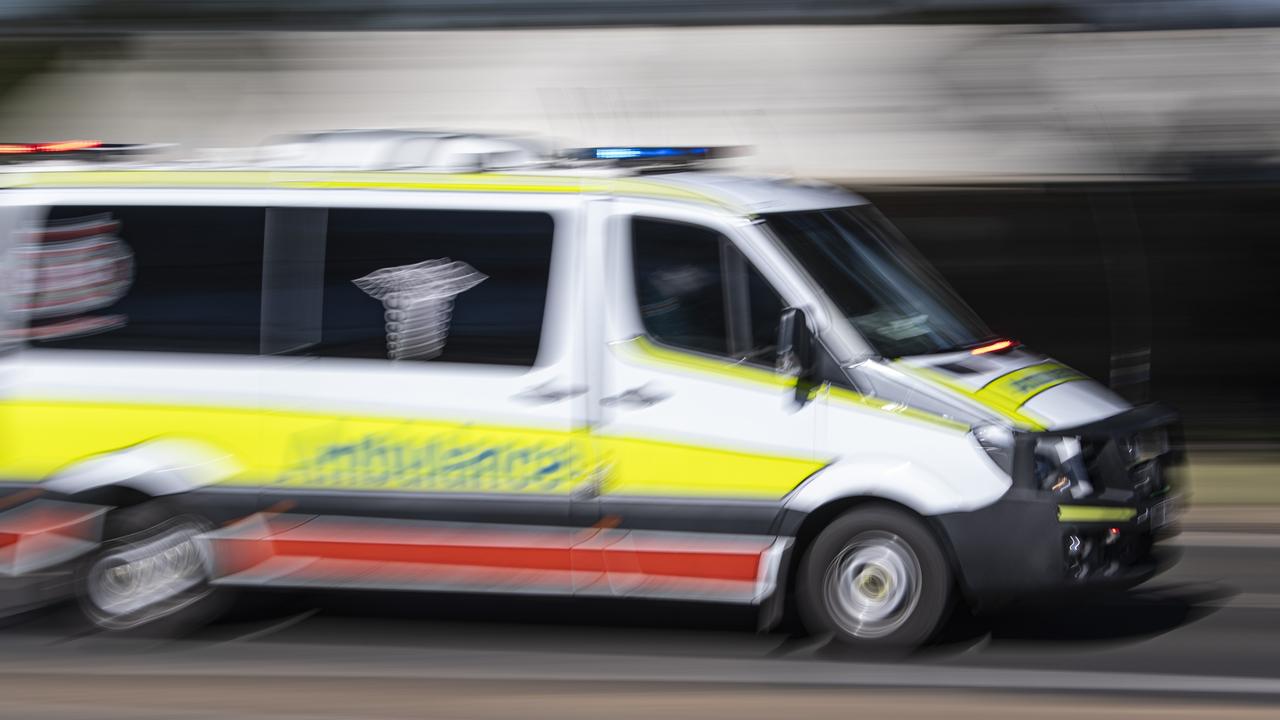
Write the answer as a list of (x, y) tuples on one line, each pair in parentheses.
[(1007, 394)]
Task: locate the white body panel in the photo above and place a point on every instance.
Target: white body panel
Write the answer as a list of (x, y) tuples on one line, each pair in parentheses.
[(929, 469), (1076, 403)]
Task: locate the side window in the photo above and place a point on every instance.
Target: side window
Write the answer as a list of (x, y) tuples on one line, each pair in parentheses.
[(447, 285), (766, 312), (696, 291), (165, 279), (679, 285)]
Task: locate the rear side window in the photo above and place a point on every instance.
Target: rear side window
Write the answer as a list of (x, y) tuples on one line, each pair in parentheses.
[(453, 286), (166, 279), (445, 285), (696, 291)]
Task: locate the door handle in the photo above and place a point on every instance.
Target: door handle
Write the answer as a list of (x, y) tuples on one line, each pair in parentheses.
[(548, 392), (590, 488), (642, 396)]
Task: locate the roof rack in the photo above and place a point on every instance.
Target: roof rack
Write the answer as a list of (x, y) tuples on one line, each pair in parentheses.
[(402, 150), (466, 152)]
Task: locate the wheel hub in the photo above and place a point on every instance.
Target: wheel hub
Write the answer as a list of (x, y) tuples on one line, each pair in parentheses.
[(873, 585)]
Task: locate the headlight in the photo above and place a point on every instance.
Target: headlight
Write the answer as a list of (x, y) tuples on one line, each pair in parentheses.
[(1059, 463), (1146, 445), (997, 440)]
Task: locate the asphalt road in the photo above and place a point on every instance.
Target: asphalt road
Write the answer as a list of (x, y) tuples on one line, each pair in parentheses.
[(1200, 641)]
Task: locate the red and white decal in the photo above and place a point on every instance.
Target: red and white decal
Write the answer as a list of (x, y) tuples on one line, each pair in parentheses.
[(43, 533), (299, 550), (72, 268)]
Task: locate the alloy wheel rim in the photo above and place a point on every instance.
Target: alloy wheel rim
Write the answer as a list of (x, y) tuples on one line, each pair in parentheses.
[(873, 585)]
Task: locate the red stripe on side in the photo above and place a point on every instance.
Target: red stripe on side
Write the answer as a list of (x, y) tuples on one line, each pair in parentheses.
[(493, 556), (484, 554), (712, 566)]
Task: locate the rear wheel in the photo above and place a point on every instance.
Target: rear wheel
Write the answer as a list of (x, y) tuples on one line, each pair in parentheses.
[(875, 578), (154, 566)]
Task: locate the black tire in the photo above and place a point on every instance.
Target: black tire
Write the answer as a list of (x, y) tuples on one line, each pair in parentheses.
[(140, 543), (875, 578)]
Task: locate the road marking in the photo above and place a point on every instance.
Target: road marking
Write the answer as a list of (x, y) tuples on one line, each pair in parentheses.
[(274, 628), (1225, 539), (282, 660), (1252, 601)]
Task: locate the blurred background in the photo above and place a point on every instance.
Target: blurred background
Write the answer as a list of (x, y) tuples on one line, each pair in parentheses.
[(1098, 178)]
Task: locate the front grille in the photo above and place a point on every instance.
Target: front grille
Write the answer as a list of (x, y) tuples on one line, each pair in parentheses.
[(1114, 477), (1132, 459), (1148, 479)]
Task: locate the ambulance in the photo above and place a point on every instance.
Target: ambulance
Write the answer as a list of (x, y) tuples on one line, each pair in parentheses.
[(452, 362)]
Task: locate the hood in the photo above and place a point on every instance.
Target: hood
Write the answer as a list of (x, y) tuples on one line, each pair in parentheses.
[(1025, 387)]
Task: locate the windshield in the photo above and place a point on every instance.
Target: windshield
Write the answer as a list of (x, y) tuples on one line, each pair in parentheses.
[(899, 303)]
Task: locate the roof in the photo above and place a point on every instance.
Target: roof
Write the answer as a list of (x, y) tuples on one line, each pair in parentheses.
[(758, 195), (383, 149), (738, 194)]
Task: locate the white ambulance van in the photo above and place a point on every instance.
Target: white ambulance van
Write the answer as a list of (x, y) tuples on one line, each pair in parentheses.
[(375, 360)]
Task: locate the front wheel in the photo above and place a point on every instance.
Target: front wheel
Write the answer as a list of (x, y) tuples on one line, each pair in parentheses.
[(875, 578)]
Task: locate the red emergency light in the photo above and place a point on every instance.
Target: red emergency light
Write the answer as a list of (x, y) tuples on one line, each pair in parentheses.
[(996, 346), (60, 146)]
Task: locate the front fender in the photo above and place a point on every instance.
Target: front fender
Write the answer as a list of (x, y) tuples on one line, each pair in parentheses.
[(923, 488)]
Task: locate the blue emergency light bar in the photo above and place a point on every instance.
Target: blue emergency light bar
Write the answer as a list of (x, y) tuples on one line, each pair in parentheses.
[(636, 153), (657, 154)]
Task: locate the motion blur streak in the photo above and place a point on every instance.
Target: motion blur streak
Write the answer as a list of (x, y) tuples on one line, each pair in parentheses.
[(636, 359), (371, 698), (838, 102)]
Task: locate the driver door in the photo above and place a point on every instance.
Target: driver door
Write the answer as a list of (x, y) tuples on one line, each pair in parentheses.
[(700, 438)]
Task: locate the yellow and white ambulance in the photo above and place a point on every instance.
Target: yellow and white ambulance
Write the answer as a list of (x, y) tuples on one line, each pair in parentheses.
[(450, 362)]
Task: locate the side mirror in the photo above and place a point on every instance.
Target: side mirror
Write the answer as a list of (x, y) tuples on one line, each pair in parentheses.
[(795, 350)]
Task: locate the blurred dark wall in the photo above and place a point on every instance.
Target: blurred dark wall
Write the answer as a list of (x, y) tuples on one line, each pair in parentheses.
[(1081, 272)]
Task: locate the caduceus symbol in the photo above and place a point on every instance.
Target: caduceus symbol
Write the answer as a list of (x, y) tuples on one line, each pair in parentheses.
[(418, 302)]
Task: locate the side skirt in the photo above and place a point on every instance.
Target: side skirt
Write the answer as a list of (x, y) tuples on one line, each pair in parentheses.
[(329, 551)]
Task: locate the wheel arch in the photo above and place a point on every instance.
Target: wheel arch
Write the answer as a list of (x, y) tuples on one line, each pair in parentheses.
[(138, 473), (813, 523), (921, 491), (805, 528)]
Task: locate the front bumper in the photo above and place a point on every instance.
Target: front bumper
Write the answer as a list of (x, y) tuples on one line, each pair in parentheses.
[(1018, 547), (1031, 542)]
